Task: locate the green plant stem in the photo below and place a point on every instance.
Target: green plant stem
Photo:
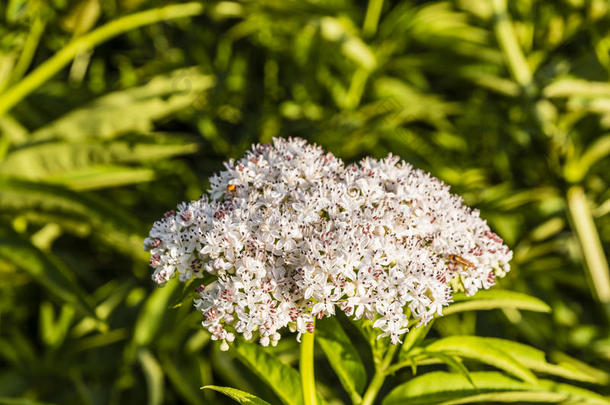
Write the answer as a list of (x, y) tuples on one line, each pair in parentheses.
[(590, 243), (28, 51), (381, 372), (507, 39), (371, 19), (81, 44), (308, 381)]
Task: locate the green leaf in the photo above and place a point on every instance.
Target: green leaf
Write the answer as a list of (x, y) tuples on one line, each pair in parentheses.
[(54, 331), (494, 299), (43, 267), (454, 365), (577, 88), (414, 337), (535, 360), (475, 348), (109, 223), (131, 110), (154, 376), (284, 380), (575, 170), (151, 316), (97, 177), (21, 401), (449, 388), (184, 383), (47, 159), (239, 396), (342, 355)]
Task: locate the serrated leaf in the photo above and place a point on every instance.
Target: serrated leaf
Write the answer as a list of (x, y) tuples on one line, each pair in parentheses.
[(284, 380), (342, 355), (43, 267), (241, 397), (475, 348), (494, 299), (449, 388)]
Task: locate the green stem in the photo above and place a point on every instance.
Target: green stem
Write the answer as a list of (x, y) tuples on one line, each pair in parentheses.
[(371, 19), (308, 381), (81, 44), (28, 51), (507, 39), (590, 243), (381, 372)]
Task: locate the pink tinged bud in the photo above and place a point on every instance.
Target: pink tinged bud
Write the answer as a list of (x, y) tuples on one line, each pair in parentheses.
[(200, 288), (169, 213), (154, 260)]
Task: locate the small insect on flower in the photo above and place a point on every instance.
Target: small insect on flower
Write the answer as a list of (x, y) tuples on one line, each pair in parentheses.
[(460, 260), (289, 233)]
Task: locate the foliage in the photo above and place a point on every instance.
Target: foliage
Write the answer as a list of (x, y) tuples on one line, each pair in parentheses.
[(509, 105)]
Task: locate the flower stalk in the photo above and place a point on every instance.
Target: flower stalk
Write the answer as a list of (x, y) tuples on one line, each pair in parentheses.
[(307, 371)]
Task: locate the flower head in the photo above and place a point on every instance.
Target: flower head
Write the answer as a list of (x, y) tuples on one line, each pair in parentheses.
[(293, 234)]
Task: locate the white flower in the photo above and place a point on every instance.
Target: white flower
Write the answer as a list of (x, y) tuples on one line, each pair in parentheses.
[(292, 234)]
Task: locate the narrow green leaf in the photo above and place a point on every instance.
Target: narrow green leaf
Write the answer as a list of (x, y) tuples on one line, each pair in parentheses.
[(440, 387), (283, 379), (43, 267), (182, 380), (494, 299), (130, 110), (475, 348), (576, 170), (577, 88), (151, 316), (40, 160), (590, 243), (109, 222), (342, 355), (414, 337), (454, 365), (535, 360), (21, 401), (154, 376), (97, 177), (239, 396), (512, 396)]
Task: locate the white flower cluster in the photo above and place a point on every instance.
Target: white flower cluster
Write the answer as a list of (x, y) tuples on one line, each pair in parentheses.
[(292, 234)]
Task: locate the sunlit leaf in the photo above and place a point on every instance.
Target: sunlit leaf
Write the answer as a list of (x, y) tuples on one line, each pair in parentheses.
[(282, 379), (448, 388), (240, 397), (342, 355), (473, 347), (493, 299)]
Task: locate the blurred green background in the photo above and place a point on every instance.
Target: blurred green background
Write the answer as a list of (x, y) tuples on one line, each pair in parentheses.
[(508, 105)]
